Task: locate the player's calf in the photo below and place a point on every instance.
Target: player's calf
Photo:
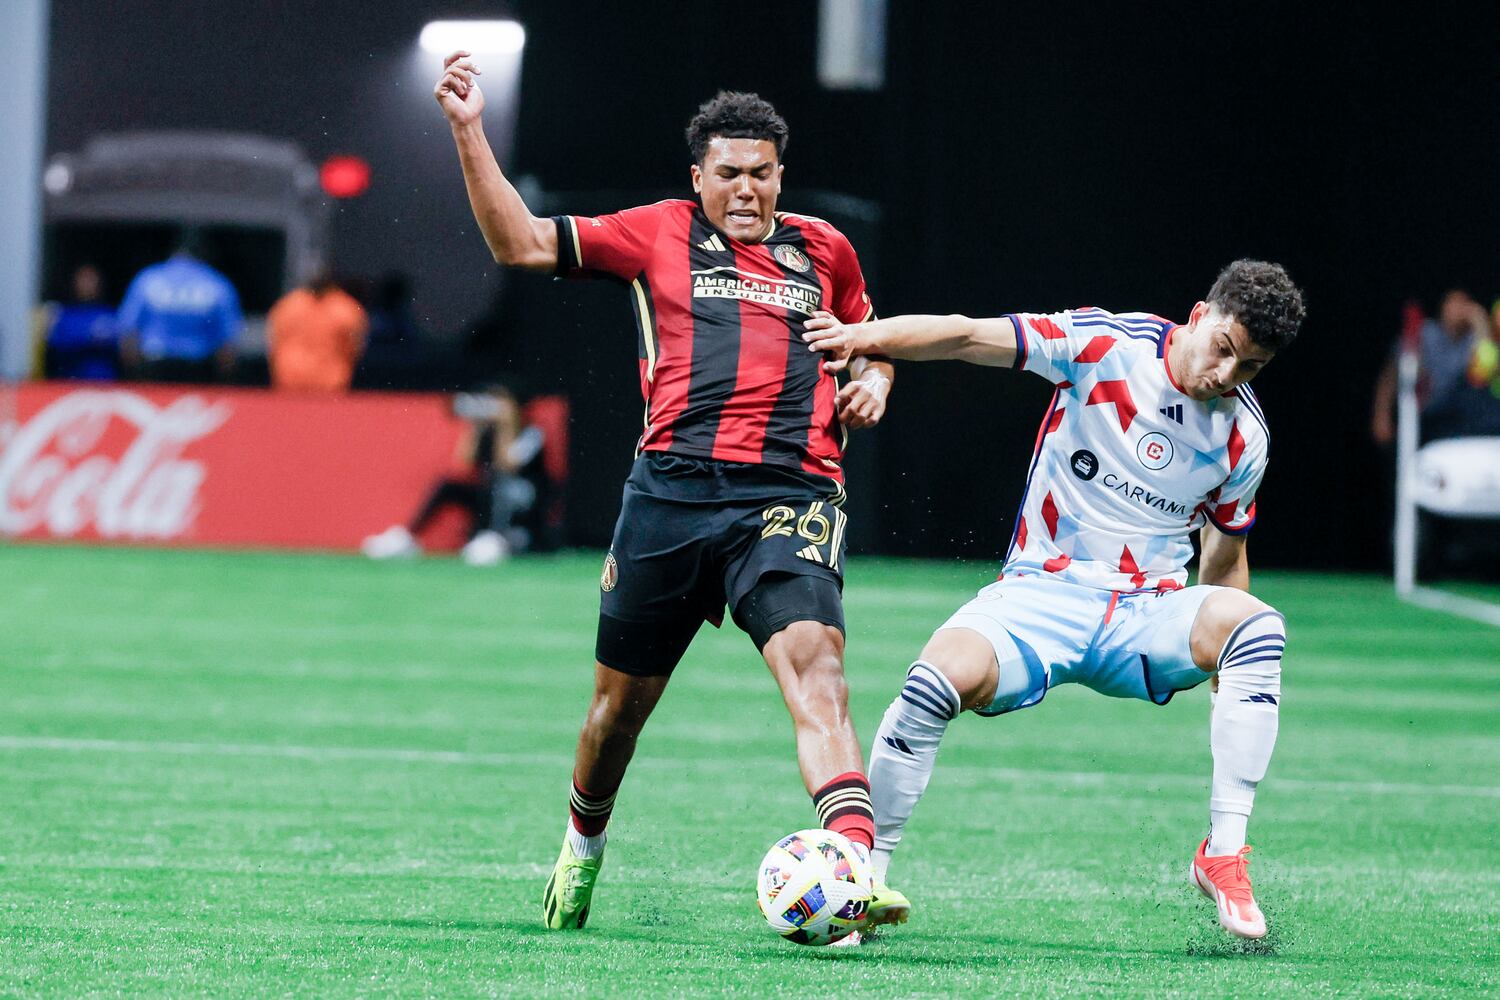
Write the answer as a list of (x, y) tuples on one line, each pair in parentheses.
[(1242, 640), (806, 658), (906, 744), (1246, 715), (621, 705)]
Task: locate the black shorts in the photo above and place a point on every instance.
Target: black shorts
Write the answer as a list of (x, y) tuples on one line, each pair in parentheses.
[(695, 534)]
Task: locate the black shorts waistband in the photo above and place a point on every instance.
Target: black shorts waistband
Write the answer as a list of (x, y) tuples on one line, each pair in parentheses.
[(689, 479)]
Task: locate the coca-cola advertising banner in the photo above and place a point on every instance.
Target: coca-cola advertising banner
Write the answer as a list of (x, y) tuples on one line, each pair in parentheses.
[(204, 466)]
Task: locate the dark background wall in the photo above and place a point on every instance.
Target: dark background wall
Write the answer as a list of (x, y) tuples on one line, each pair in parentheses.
[(1024, 157)]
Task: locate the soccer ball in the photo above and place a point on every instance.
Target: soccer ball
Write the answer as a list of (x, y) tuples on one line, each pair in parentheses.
[(815, 886)]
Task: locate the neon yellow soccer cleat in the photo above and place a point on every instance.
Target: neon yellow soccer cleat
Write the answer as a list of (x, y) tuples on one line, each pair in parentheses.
[(565, 901), (887, 906)]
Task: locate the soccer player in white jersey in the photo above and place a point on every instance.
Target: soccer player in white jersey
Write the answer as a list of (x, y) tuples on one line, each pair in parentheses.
[(1151, 434)]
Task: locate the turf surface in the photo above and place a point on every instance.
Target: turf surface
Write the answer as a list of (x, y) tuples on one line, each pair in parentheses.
[(251, 774)]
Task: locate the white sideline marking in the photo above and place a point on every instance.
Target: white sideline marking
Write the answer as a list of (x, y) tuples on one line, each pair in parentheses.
[(463, 757), (422, 867), (470, 759), (1453, 604)]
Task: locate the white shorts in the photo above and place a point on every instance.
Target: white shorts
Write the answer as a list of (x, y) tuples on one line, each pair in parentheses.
[(1047, 632)]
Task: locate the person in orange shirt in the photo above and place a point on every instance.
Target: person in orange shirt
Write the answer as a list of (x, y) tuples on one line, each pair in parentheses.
[(316, 334)]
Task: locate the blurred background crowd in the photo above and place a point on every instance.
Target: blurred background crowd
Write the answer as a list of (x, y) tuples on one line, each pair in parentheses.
[(268, 199)]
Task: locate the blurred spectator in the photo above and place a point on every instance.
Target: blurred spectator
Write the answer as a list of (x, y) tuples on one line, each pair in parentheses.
[(315, 335), (1456, 354), (1450, 405), (82, 336), (393, 323), (397, 351), (1484, 366), (179, 320), (488, 487)]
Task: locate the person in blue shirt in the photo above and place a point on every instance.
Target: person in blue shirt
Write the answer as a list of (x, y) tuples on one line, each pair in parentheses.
[(82, 337), (179, 320)]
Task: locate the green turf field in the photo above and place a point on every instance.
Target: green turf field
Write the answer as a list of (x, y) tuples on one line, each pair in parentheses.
[(261, 775)]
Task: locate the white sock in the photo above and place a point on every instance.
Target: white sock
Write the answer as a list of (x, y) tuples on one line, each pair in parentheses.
[(584, 847), (1226, 832), (1244, 722), (904, 752)]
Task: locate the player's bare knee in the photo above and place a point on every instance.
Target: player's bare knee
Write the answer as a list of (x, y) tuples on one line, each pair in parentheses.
[(1222, 612), (807, 659), (967, 660), (622, 703), (805, 649), (607, 716)]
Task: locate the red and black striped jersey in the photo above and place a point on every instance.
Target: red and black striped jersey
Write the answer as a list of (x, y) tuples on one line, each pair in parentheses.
[(724, 371)]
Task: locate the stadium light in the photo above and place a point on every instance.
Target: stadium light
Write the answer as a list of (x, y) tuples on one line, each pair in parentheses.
[(851, 44), (498, 46), (487, 37)]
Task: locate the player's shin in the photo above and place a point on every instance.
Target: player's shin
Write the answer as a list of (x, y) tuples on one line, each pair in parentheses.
[(1243, 728), (904, 752)]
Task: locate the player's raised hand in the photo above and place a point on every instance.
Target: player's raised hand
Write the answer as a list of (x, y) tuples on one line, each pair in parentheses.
[(457, 92), (828, 335), (861, 403)]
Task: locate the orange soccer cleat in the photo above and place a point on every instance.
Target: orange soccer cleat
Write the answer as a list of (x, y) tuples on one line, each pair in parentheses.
[(1226, 880)]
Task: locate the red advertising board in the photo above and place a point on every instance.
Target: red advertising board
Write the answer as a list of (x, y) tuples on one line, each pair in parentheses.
[(206, 466)]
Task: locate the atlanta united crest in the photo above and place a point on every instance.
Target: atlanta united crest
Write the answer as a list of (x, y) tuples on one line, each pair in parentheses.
[(789, 256), (611, 574)]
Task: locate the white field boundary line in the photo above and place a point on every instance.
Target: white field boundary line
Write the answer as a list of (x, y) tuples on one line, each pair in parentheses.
[(464, 758), (417, 868), (451, 757), (1453, 604)]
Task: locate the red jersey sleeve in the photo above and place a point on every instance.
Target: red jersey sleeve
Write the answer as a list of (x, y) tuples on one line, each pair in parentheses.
[(618, 244), (851, 300)]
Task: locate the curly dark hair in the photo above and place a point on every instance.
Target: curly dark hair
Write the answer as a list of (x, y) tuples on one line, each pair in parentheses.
[(735, 115), (1261, 296)]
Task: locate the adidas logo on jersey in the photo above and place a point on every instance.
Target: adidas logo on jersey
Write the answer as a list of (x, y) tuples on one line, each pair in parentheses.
[(713, 243), (811, 554), (1173, 412)]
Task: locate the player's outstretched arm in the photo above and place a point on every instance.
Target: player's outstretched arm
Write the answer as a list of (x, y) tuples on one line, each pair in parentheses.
[(1221, 559), (514, 235), (914, 338)]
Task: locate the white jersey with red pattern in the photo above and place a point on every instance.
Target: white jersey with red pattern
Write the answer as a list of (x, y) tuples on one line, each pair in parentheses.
[(1126, 464)]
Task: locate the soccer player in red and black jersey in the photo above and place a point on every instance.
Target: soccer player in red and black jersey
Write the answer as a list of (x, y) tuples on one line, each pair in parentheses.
[(735, 494)]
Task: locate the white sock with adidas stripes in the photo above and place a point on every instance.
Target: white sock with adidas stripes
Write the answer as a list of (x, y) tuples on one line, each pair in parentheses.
[(1243, 729), (904, 753)]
